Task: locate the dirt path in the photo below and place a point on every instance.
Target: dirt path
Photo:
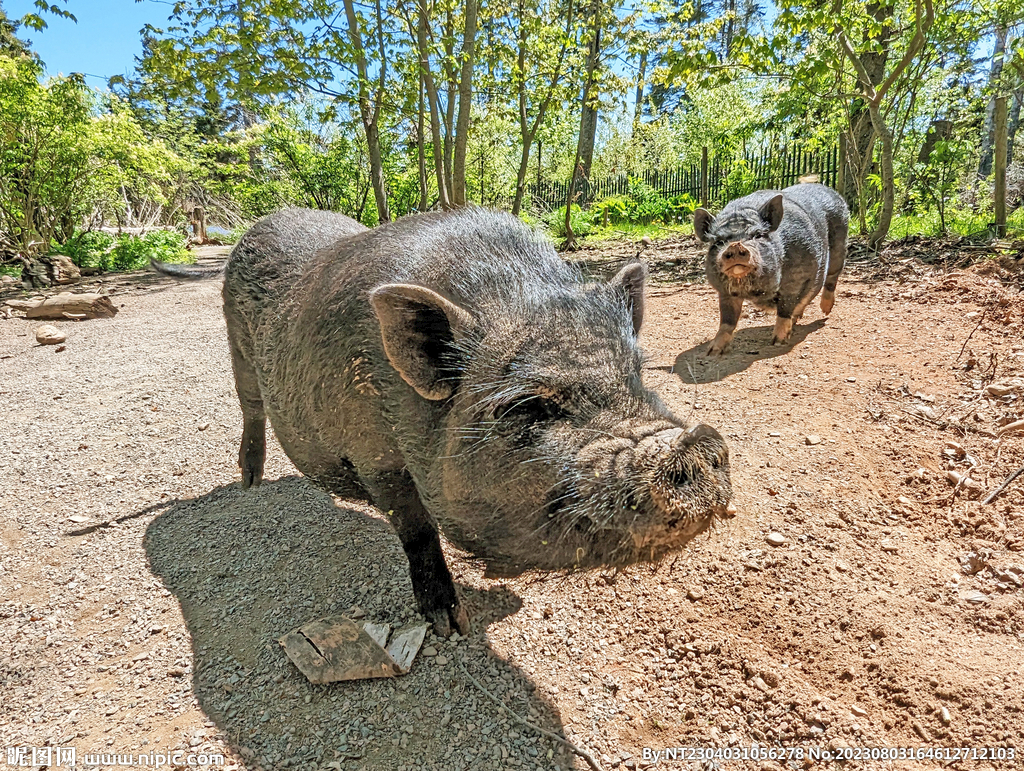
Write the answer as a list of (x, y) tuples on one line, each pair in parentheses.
[(142, 593)]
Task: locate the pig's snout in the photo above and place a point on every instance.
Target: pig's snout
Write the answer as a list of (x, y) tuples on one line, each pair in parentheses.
[(693, 466), (737, 260)]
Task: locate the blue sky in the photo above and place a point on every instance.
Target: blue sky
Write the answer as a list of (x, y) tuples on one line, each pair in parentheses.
[(104, 42)]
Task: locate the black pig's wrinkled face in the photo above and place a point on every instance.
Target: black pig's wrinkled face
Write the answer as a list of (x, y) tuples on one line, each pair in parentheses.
[(555, 455), (735, 237)]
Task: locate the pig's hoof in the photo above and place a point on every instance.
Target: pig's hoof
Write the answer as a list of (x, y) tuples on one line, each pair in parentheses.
[(828, 300), (251, 478), (718, 349), (448, 620)]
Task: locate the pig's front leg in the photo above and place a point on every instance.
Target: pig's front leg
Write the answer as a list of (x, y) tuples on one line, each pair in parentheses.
[(730, 308), (396, 495)]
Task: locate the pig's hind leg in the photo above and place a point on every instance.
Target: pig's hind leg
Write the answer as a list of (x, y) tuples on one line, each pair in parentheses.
[(836, 261), (790, 309), (253, 451), (395, 494)]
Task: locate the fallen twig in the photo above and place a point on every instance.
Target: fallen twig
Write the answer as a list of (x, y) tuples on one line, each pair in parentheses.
[(550, 734), (1006, 483), (984, 313), (1009, 428)]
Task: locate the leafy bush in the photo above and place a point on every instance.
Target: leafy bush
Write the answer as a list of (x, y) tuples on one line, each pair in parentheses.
[(644, 205), (133, 252), (582, 222), (87, 249), (740, 181)]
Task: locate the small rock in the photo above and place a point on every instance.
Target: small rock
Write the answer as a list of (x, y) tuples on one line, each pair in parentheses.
[(5, 279), (774, 433), (858, 711), (945, 717), (203, 426), (441, 660), (890, 547), (78, 518), (48, 334), (812, 439), (775, 539), (356, 612), (905, 501), (695, 595), (975, 597), (430, 650), (851, 380)]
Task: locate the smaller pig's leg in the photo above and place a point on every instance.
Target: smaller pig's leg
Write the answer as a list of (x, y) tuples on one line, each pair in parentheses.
[(253, 451), (836, 260), (730, 308), (396, 494)]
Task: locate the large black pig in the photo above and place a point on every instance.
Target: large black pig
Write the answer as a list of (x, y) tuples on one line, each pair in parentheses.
[(777, 249), (450, 367)]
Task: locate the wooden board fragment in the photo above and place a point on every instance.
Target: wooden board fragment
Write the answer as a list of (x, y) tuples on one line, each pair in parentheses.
[(338, 648)]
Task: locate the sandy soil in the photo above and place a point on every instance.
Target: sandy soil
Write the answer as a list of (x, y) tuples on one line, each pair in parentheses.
[(861, 599)]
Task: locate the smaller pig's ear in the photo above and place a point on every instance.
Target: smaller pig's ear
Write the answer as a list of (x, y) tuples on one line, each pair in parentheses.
[(630, 280), (418, 327), (771, 212), (702, 222)]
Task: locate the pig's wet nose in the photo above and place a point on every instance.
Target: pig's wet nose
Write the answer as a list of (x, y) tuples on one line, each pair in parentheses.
[(698, 433)]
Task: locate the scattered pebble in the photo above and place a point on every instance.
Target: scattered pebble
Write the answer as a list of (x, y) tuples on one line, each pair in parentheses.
[(812, 439), (775, 539), (47, 334)]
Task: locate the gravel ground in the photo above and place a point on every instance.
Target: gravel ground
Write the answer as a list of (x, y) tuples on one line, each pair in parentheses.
[(142, 593)]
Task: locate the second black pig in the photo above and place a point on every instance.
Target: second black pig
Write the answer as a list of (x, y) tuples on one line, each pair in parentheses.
[(777, 249)]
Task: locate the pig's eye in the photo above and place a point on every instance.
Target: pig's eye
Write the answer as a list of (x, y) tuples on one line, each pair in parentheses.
[(532, 409)]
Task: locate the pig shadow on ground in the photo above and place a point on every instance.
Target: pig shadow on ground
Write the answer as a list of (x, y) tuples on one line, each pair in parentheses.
[(249, 566), (695, 367)]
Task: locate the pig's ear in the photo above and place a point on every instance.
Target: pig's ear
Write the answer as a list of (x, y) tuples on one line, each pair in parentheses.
[(418, 327), (771, 212), (702, 222), (630, 281)]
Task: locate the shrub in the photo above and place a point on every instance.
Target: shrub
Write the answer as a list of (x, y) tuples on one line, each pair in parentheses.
[(134, 253), (87, 249), (582, 222)]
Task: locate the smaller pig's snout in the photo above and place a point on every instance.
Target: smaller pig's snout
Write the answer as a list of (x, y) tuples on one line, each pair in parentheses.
[(736, 260)]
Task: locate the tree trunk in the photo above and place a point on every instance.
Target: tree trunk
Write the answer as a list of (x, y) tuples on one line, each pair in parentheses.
[(368, 115), (199, 225), (888, 187), (638, 105), (435, 117), (588, 123), (421, 151), (988, 133), (862, 134), (1000, 165), (465, 104), (1014, 121)]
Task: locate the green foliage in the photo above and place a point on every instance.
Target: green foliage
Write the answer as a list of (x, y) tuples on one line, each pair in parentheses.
[(740, 181), (44, 155), (642, 205), (133, 253), (582, 222), (98, 249), (88, 249)]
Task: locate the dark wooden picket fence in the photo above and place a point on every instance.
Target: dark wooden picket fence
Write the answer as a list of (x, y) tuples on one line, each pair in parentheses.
[(705, 181)]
